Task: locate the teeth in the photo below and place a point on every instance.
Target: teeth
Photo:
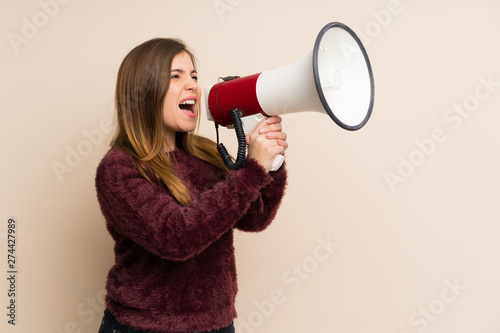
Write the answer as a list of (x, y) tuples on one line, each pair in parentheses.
[(189, 102)]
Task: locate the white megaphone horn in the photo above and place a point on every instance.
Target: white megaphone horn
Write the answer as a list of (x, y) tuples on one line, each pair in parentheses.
[(335, 78)]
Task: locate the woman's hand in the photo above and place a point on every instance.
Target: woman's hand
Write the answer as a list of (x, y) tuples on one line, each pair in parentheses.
[(266, 141)]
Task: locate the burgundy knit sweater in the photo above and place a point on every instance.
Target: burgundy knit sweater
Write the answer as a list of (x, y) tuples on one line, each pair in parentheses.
[(174, 265)]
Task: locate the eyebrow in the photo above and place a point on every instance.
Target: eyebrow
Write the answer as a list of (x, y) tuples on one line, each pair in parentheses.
[(194, 71)]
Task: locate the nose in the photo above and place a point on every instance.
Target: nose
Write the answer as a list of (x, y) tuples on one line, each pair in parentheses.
[(191, 84)]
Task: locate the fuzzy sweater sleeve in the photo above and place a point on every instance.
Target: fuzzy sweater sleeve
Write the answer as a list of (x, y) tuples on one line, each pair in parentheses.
[(144, 212), (263, 210)]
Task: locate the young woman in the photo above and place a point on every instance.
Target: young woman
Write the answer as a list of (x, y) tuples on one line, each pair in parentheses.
[(171, 204)]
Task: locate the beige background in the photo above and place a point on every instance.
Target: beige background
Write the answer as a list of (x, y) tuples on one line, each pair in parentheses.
[(397, 250)]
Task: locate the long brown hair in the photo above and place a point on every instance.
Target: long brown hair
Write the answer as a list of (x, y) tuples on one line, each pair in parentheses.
[(142, 83)]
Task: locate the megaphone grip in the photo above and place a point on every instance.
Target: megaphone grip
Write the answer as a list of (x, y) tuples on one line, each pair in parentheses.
[(242, 143), (277, 162)]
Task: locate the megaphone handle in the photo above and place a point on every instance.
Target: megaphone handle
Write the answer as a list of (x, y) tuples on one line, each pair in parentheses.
[(277, 162), (249, 124)]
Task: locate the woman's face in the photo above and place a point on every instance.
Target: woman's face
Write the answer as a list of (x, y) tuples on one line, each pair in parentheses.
[(182, 100)]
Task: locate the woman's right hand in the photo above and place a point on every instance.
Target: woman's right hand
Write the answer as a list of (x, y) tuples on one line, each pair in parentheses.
[(266, 141)]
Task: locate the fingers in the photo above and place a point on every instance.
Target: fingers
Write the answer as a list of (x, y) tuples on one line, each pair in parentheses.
[(271, 128), (283, 144), (268, 147), (276, 142), (271, 124), (269, 137), (276, 136), (279, 138), (274, 119)]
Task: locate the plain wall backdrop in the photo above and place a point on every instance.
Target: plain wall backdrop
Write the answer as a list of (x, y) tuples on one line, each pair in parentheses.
[(390, 229)]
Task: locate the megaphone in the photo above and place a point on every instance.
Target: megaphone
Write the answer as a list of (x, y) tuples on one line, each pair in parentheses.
[(335, 78)]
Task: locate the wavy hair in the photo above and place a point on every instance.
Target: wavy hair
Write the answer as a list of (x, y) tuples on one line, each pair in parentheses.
[(142, 83)]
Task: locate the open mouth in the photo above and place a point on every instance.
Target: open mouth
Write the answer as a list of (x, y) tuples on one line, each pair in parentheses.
[(188, 106)]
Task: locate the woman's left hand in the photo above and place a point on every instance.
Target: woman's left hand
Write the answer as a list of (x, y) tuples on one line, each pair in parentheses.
[(266, 141), (274, 131)]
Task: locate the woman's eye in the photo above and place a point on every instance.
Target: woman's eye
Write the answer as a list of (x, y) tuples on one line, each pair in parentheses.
[(175, 76), (194, 78)]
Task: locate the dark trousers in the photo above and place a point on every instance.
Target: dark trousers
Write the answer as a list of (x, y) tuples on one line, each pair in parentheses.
[(109, 324)]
